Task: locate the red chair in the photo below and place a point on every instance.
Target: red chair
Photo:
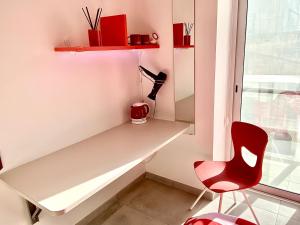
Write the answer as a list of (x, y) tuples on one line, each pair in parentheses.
[(237, 174), (217, 219)]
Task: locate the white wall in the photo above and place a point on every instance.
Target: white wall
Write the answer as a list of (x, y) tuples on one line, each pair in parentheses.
[(224, 77), (50, 100)]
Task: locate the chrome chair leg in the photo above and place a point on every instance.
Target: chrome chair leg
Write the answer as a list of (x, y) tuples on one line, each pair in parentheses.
[(249, 205), (199, 197), (220, 203), (234, 197)]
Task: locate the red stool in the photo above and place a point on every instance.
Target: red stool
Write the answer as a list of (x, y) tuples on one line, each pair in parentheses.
[(217, 219)]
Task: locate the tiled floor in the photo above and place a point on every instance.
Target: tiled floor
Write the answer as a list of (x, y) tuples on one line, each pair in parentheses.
[(151, 203)]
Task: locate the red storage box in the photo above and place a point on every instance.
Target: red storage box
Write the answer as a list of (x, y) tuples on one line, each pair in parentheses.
[(114, 30), (178, 34)]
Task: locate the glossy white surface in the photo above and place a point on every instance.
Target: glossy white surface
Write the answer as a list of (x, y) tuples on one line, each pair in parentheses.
[(62, 180)]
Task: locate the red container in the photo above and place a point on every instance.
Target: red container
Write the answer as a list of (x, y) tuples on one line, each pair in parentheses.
[(94, 38), (114, 30), (139, 111), (135, 39), (187, 40), (178, 34), (145, 39)]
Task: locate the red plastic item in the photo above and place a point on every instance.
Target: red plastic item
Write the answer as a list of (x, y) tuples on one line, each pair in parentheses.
[(145, 39), (236, 174), (217, 219), (135, 39), (178, 34), (94, 38), (114, 30), (187, 40)]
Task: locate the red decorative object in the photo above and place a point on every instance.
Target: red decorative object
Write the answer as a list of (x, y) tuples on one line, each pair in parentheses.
[(178, 33), (135, 39), (187, 40), (217, 219), (237, 174), (104, 48), (94, 38), (114, 30)]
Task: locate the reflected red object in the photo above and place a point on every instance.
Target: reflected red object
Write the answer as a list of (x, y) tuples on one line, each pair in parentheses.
[(178, 34), (236, 174), (187, 40), (114, 30)]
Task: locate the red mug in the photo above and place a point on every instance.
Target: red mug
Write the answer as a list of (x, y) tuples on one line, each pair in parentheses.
[(145, 39), (135, 39), (139, 111)]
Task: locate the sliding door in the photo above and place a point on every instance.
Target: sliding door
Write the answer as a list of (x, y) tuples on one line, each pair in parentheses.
[(268, 86)]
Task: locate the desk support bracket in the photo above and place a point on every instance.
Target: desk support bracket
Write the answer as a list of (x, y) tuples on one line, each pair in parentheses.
[(34, 212)]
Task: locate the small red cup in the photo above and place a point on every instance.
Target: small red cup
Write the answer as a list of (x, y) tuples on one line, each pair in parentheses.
[(135, 39), (187, 40), (95, 38), (145, 39)]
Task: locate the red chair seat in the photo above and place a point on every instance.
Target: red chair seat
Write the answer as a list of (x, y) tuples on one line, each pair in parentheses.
[(223, 177), (217, 219)]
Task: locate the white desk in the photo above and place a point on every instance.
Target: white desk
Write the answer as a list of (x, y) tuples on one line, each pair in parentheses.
[(61, 181)]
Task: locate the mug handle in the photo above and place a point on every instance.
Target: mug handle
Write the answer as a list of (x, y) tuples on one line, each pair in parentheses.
[(147, 108), (155, 36)]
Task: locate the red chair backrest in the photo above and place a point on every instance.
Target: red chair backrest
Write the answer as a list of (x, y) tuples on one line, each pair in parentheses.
[(255, 140)]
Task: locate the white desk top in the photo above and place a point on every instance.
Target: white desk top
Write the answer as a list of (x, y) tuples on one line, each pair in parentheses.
[(61, 181)]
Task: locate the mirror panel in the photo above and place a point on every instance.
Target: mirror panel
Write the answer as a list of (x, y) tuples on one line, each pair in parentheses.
[(184, 59)]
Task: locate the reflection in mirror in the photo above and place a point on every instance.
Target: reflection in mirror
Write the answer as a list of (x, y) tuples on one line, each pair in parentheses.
[(184, 59)]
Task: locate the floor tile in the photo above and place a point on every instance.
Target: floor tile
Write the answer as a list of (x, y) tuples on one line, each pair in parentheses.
[(105, 214), (265, 217), (258, 200), (282, 220), (152, 203), (129, 216), (289, 210), (166, 204)]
